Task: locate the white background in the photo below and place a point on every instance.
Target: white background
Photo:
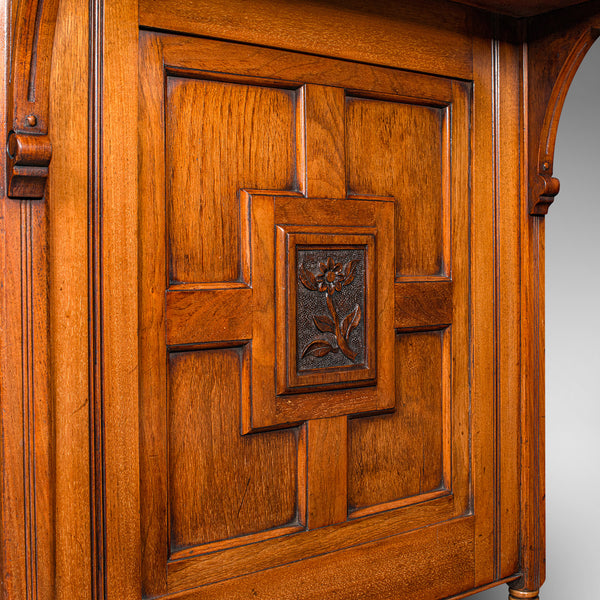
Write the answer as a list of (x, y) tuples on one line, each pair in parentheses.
[(572, 350)]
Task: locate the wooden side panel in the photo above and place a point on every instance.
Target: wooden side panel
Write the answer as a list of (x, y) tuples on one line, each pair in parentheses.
[(222, 484), (395, 149), (400, 455), (508, 294), (221, 137), (67, 197), (118, 485)]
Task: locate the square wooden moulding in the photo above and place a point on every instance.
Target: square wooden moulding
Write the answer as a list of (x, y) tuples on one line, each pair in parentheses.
[(322, 277)]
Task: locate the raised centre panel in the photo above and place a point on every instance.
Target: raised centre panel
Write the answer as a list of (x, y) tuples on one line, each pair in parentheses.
[(303, 308)]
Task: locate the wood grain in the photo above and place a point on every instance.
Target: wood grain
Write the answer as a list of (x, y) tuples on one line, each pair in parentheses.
[(423, 305), (327, 471), (269, 553), (383, 568), (395, 149), (119, 484), (222, 484), (221, 137), (345, 30), (400, 455), (323, 144), (483, 393), (208, 315), (227, 61), (69, 328), (152, 281)]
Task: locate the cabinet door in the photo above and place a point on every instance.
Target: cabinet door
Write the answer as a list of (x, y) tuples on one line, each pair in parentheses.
[(306, 425)]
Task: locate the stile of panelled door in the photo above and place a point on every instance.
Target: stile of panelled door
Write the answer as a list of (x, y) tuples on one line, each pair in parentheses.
[(304, 326)]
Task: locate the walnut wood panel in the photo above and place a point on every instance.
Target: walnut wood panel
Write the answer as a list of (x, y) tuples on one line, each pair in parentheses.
[(285, 549), (205, 449), (217, 135), (484, 390), (206, 315), (94, 301), (117, 382), (322, 150), (408, 146), (69, 326), (423, 305), (327, 471), (406, 453), (236, 315), (383, 568)]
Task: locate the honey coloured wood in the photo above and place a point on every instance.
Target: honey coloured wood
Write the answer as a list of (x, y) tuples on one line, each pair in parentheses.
[(275, 328), (304, 316)]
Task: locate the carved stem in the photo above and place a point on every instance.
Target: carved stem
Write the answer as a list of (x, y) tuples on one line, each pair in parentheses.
[(341, 340)]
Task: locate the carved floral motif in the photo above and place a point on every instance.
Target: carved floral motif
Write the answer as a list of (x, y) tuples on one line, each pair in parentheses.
[(332, 277)]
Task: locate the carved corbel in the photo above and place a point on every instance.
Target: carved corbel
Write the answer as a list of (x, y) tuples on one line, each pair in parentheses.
[(28, 147), (552, 66)]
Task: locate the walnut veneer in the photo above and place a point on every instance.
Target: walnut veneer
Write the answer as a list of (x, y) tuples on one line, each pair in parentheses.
[(272, 295)]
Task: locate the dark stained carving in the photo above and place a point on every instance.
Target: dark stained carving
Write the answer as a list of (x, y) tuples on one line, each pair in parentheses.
[(28, 147), (332, 283)]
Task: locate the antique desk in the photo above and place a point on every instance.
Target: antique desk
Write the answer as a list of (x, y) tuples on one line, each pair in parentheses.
[(272, 295)]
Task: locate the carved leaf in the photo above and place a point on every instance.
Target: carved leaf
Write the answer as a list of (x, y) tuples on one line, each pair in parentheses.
[(351, 321), (324, 324), (350, 272), (308, 279), (318, 348)]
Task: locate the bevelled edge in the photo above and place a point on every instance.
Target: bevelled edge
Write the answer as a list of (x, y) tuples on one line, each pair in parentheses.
[(28, 147)]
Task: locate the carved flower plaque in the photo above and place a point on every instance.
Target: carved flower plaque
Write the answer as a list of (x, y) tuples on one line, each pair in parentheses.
[(330, 304)]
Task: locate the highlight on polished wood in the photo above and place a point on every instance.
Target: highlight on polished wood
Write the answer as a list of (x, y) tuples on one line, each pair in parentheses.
[(523, 595), (271, 297)]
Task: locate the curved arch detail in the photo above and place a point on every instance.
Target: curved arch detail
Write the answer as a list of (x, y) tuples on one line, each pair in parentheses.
[(549, 186), (28, 147)]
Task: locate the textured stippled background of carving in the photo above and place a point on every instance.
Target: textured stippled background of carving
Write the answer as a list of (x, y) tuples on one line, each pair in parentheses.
[(310, 304)]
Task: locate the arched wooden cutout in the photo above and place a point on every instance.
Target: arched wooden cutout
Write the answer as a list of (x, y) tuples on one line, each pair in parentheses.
[(568, 58), (28, 146)]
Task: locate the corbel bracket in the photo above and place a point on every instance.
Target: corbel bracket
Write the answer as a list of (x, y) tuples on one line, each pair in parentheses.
[(28, 146), (544, 186)]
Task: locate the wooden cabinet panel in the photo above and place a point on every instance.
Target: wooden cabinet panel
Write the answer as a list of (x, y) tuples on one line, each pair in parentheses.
[(284, 286), (222, 485), (403, 457), (221, 137), (302, 307), (401, 150)]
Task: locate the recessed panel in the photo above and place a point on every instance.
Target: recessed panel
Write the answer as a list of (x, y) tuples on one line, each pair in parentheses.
[(222, 484), (397, 149), (221, 137), (400, 455)]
